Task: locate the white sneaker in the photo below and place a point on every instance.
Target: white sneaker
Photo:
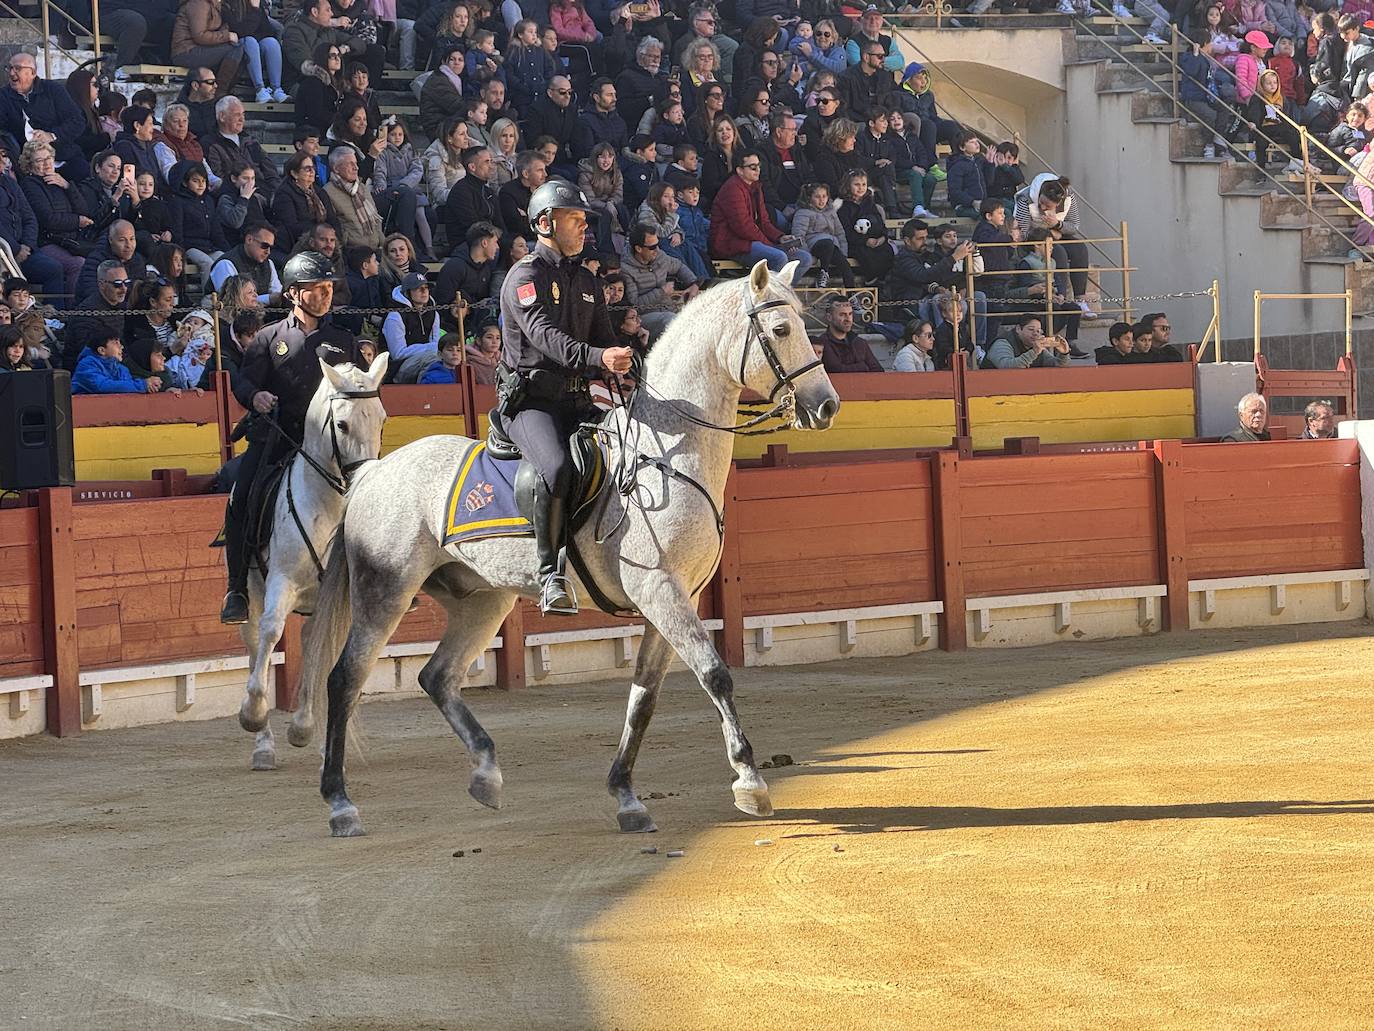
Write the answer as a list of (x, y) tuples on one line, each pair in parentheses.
[(264, 95), (1209, 151), (922, 212), (1293, 167), (280, 95), (1120, 12), (1157, 40), (1088, 313), (1066, 7), (979, 7)]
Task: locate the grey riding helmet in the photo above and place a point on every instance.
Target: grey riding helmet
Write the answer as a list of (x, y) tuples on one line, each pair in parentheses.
[(556, 193), (305, 268)]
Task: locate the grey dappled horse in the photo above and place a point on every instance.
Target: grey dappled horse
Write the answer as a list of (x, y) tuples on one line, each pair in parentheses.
[(343, 429), (661, 542)]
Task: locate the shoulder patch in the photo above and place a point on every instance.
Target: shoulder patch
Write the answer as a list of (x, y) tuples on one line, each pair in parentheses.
[(526, 294), (526, 259)]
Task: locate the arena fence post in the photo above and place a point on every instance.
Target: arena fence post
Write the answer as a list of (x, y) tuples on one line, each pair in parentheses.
[(57, 547), (949, 551), (467, 385), (725, 586), (289, 672), (223, 399), (510, 657), (1173, 558)]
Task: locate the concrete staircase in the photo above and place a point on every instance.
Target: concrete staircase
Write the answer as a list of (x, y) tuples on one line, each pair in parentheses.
[(1317, 240)]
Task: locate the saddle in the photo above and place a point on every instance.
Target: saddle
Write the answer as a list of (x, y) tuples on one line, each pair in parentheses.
[(589, 469)]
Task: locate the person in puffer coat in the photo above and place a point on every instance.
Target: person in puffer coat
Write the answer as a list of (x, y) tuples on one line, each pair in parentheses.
[(195, 220), (101, 370)]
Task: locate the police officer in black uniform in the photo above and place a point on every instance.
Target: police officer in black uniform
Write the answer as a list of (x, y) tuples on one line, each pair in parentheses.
[(279, 376), (552, 308)]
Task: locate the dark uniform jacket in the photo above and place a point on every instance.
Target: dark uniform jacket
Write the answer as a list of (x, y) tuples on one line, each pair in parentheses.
[(553, 315), (279, 361)]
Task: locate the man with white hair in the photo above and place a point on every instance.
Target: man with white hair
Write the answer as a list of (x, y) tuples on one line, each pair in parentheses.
[(359, 222), (1254, 418), (230, 143), (42, 110)]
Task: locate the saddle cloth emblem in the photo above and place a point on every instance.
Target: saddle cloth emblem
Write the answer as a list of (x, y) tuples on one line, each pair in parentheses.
[(479, 497)]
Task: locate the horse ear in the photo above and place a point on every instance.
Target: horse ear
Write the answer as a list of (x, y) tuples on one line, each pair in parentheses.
[(377, 370), (335, 380), (788, 271), (758, 278)]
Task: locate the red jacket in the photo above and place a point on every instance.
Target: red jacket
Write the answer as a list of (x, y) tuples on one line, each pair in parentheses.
[(739, 218)]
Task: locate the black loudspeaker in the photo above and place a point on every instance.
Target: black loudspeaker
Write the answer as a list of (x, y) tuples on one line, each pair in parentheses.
[(36, 430)]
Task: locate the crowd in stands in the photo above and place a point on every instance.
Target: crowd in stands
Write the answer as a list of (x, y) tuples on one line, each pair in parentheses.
[(707, 139)]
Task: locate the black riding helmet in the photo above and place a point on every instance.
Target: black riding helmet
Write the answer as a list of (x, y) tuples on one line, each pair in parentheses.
[(305, 268), (556, 193)]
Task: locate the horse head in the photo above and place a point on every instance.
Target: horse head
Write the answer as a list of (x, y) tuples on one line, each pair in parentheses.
[(346, 415), (777, 354)]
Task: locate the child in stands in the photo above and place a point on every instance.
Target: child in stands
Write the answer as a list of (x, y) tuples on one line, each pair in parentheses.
[(823, 234)]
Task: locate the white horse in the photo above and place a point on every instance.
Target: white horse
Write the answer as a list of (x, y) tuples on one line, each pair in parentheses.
[(343, 430), (652, 549)]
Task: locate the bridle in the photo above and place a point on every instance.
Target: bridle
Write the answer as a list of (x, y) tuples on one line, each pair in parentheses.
[(782, 382)]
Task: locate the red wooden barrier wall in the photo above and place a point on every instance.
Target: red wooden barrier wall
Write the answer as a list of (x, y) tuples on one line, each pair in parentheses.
[(134, 583), (21, 594), (1042, 523), (1278, 508), (834, 536)]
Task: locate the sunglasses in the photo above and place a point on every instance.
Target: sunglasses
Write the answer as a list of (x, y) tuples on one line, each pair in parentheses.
[(207, 82), (118, 284), (827, 100), (754, 165), (647, 246), (563, 92)]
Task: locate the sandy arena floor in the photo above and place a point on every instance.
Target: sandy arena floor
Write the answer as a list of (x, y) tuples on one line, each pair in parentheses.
[(1168, 833)]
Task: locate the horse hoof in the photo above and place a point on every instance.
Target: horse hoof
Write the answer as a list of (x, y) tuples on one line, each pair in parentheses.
[(637, 821), (264, 759), (754, 801), (299, 736), (250, 719), (486, 789), (346, 824)]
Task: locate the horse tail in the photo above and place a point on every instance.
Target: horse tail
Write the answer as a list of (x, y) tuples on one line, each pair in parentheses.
[(322, 642)]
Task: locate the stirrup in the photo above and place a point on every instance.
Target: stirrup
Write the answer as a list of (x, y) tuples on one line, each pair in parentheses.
[(557, 597)]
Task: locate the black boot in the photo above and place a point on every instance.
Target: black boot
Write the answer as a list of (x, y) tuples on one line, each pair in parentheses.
[(235, 607), (556, 594)]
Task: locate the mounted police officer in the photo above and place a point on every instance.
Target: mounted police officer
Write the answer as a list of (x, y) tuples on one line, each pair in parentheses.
[(279, 376), (552, 309)]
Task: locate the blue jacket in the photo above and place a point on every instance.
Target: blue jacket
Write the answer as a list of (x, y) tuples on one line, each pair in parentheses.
[(967, 185), (695, 226), (1195, 84), (48, 107), (18, 226), (639, 176), (436, 373), (97, 375)]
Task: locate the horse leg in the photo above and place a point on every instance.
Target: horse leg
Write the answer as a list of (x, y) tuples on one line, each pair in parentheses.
[(472, 622), (278, 597), (669, 608), (264, 748), (381, 599), (649, 672)]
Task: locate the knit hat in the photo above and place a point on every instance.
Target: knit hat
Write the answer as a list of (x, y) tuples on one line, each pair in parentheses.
[(201, 313), (914, 69), (1257, 38)]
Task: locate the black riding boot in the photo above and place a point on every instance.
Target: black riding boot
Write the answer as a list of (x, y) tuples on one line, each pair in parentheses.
[(556, 594), (235, 607)]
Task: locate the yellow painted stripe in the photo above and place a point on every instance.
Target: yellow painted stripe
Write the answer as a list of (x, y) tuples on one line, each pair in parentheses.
[(864, 425), (405, 429), (1081, 417), (458, 487), (133, 452)]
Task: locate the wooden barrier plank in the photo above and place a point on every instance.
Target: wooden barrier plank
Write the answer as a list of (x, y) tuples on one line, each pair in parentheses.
[(761, 548), (1127, 525), (1090, 379), (845, 479), (1261, 485), (116, 410), (60, 658), (1031, 575), (1278, 454), (780, 515), (21, 594)]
